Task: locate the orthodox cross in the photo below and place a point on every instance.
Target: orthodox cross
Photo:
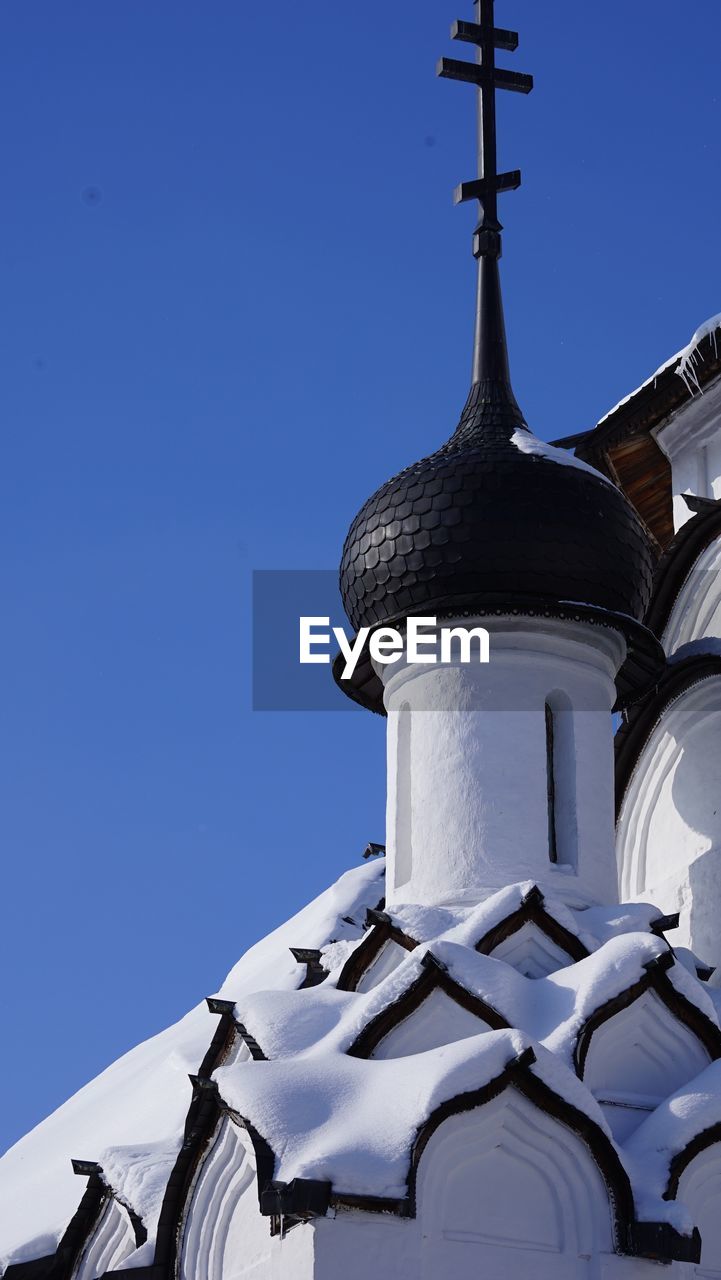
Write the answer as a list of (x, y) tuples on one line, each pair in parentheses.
[(488, 78)]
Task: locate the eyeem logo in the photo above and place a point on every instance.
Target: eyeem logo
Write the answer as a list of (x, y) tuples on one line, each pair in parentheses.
[(387, 645)]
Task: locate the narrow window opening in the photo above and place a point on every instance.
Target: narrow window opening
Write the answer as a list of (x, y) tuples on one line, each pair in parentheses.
[(561, 781), (551, 784), (404, 814)]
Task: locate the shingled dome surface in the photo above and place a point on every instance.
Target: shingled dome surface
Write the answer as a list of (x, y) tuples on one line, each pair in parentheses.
[(494, 516)]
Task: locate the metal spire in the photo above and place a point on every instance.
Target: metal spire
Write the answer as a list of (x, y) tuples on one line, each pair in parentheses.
[(490, 356)]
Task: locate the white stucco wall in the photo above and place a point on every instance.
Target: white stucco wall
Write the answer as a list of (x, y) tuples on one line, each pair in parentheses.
[(467, 809), (691, 440), (669, 829)]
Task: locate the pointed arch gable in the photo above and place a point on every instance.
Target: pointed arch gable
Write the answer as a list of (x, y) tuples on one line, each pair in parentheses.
[(656, 980), (434, 977), (518, 1075), (61, 1264), (118, 1232), (381, 932), (78, 1236), (532, 911), (681, 1161), (200, 1123)]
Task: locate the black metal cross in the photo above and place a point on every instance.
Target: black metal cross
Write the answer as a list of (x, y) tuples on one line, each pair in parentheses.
[(488, 78)]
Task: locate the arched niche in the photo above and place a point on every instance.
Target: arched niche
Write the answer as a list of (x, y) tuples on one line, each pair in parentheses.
[(438, 1020), (696, 613), (508, 1191), (670, 814), (387, 960), (112, 1240), (699, 1188), (638, 1057), (222, 1231), (531, 952)]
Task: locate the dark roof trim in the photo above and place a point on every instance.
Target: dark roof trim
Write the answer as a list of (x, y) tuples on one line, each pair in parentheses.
[(314, 971), (642, 665), (251, 1043), (657, 1241), (655, 979), (61, 1264), (677, 562), (634, 734), (202, 1118), (665, 924), (683, 1159), (532, 911), (433, 977), (383, 930), (653, 402)]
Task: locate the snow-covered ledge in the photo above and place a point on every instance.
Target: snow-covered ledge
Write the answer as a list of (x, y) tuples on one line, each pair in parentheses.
[(470, 749), (691, 440)]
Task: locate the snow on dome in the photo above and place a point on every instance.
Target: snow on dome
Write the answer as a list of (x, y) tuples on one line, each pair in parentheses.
[(528, 443)]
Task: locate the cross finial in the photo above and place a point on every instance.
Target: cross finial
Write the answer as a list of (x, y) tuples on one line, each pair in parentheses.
[(488, 78), (490, 356)]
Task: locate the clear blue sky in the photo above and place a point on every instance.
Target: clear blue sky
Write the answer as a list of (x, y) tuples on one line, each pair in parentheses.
[(235, 297)]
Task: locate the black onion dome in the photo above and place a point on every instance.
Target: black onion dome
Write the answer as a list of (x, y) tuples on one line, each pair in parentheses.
[(481, 522), (496, 521)]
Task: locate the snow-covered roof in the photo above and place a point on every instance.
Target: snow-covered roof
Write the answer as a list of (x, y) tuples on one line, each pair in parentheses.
[(139, 1104), (685, 363), (331, 1098)]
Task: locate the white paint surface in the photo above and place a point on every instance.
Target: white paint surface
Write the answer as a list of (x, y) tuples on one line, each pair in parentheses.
[(467, 766), (691, 440), (669, 829)]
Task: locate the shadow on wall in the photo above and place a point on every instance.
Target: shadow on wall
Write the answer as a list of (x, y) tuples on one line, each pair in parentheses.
[(696, 797)]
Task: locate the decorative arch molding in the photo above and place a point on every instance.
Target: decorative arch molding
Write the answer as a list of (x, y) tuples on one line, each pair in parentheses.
[(695, 1180), (633, 736), (696, 614), (532, 913), (681, 1161), (200, 1124), (381, 934), (304, 1199), (118, 1232), (212, 1222), (434, 978), (93, 1239), (688, 548), (659, 1242), (656, 980), (650, 750), (480, 1167), (61, 1264)]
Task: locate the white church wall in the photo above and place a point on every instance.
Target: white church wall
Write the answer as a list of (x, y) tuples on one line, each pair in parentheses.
[(691, 440), (112, 1241), (669, 828), (700, 1190), (506, 1191), (468, 808), (696, 615), (503, 1192)]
